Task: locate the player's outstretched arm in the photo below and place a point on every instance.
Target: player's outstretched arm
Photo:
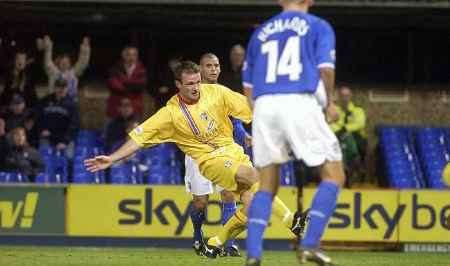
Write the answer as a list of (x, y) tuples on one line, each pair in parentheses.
[(102, 162)]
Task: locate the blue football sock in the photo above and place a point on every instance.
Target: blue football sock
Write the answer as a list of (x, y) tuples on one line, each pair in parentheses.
[(228, 209), (198, 218), (322, 208), (258, 218)]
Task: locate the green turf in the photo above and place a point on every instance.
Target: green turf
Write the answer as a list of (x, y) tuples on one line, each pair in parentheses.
[(13, 256)]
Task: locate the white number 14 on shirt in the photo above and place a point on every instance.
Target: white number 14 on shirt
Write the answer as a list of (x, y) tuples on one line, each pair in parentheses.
[(287, 64)]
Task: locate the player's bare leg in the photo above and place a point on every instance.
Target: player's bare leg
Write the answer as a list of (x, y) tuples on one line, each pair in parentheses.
[(322, 207), (198, 216)]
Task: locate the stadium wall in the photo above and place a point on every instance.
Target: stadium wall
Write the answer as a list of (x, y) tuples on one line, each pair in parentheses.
[(388, 105), (161, 212)]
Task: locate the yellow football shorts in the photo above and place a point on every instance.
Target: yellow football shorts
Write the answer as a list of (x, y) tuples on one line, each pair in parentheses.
[(222, 168)]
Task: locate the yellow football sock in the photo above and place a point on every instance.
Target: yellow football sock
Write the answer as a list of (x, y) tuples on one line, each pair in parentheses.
[(235, 225), (281, 211), (254, 188)]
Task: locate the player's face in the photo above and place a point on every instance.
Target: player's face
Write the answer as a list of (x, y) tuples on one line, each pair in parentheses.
[(210, 70), (189, 86)]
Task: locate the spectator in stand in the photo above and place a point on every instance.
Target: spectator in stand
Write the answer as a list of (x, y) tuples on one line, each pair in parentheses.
[(16, 114), (3, 141), (62, 66), (19, 80), (21, 157), (128, 79), (116, 130), (350, 128), (129, 126), (231, 77), (59, 119), (166, 88), (32, 129)]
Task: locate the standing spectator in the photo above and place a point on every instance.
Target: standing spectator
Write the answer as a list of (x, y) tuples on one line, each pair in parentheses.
[(21, 157), (19, 80), (3, 141), (166, 87), (232, 77), (59, 120), (116, 130), (350, 128), (128, 79), (62, 66)]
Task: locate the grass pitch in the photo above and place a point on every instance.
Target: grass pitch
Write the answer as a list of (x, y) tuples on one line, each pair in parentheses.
[(60, 256)]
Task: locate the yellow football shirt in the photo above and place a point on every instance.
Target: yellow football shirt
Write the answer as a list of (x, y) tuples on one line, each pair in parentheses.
[(201, 130)]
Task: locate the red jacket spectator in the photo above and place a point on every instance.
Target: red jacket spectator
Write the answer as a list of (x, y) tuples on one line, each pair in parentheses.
[(128, 79)]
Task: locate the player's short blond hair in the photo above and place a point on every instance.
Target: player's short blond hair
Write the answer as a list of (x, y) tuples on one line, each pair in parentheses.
[(187, 67)]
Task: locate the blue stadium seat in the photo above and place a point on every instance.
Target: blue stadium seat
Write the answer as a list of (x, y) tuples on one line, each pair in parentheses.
[(287, 174), (401, 163), (56, 168), (13, 177), (126, 173), (82, 152), (85, 177), (46, 150), (432, 147), (86, 138), (159, 175), (164, 164), (438, 184)]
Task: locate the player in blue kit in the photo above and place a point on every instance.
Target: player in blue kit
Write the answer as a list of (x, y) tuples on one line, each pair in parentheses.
[(286, 58)]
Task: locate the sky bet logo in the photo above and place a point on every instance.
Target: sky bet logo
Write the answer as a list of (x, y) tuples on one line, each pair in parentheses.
[(429, 215), (133, 216), (353, 213)]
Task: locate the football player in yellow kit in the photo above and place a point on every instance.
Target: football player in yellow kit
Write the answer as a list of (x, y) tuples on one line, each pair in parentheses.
[(197, 120)]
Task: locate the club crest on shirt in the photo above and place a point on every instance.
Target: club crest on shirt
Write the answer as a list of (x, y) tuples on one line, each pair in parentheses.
[(204, 116), (211, 127), (228, 164), (138, 130)]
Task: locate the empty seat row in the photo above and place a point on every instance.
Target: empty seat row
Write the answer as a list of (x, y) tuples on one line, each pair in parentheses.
[(414, 157)]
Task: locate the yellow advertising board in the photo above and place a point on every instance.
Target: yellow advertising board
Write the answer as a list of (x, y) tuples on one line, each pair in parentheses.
[(163, 211), (426, 216), (147, 211), (367, 215)]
